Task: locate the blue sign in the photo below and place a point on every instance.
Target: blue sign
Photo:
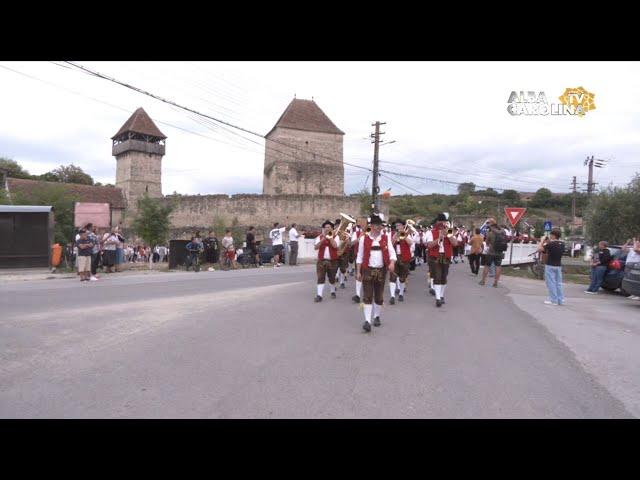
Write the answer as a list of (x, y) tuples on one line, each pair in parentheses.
[(547, 226)]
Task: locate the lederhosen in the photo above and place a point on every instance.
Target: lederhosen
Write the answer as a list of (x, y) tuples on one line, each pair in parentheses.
[(403, 261), (343, 260), (373, 278), (327, 267), (439, 262)]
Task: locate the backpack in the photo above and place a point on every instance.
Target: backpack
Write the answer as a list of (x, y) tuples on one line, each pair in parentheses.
[(500, 243)]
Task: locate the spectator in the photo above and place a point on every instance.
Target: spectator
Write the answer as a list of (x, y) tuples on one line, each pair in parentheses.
[(293, 242), (496, 243), (110, 241), (119, 250), (162, 252), (194, 248), (276, 241), (229, 249), (553, 249), (85, 247), (632, 248), (476, 243), (211, 248), (252, 248), (94, 251), (577, 248), (599, 265)]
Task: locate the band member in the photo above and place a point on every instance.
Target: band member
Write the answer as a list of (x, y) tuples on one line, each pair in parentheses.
[(440, 244), (430, 273), (327, 265), (375, 256), (355, 239), (343, 257), (403, 252)]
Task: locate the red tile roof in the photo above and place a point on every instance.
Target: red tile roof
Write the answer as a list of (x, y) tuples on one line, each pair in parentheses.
[(140, 123), (83, 193), (306, 115)]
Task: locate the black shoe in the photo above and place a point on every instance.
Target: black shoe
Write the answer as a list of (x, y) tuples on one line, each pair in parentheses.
[(392, 301), (366, 326), (318, 299), (432, 291), (342, 285), (397, 291), (401, 298), (356, 299), (438, 303), (376, 322), (333, 294)]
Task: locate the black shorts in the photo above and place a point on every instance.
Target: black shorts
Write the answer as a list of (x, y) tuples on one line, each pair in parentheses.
[(278, 249), (495, 259)]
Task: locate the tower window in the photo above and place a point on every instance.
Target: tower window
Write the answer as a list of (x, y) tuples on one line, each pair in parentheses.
[(146, 188)]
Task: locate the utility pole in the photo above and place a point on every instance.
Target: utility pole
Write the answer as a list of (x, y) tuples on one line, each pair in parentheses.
[(598, 164), (573, 200), (375, 189)]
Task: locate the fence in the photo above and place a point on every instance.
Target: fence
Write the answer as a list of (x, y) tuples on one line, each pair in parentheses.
[(521, 252)]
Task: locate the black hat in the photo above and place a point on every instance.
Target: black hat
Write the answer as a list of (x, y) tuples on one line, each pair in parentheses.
[(441, 218), (327, 222), (376, 220)]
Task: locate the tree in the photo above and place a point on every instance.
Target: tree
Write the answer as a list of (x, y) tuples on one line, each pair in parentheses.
[(466, 188), (68, 174), (14, 170), (62, 202), (511, 196), (152, 222), (543, 198), (614, 214)]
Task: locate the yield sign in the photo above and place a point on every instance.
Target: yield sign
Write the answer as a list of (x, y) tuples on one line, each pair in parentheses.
[(514, 214)]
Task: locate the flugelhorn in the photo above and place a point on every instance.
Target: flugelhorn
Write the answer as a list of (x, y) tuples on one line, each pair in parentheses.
[(409, 227)]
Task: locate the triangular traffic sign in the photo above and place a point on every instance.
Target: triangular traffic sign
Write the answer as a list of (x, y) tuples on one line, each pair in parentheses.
[(514, 214)]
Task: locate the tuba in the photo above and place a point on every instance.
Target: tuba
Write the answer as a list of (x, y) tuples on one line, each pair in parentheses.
[(346, 223)]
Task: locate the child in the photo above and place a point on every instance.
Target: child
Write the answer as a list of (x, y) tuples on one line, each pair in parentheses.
[(85, 247)]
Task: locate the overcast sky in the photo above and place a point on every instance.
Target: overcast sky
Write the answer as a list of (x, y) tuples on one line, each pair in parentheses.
[(449, 120)]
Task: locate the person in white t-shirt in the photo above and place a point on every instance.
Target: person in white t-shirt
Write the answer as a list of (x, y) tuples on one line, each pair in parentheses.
[(276, 241), (327, 264), (293, 243)]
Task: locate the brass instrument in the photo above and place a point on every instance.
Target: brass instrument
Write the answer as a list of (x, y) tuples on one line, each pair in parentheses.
[(409, 227)]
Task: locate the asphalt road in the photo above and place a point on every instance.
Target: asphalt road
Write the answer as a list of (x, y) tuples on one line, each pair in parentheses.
[(252, 344)]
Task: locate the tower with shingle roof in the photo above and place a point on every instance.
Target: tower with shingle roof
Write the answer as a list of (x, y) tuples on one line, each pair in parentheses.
[(139, 147), (304, 153)]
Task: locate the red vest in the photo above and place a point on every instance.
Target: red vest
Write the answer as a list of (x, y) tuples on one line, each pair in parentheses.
[(435, 250), (368, 241), (405, 249), (333, 252), (357, 242)]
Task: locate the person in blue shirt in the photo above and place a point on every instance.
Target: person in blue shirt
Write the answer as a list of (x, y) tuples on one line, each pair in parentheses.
[(194, 247)]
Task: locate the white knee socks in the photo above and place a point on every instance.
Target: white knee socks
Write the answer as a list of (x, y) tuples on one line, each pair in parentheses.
[(442, 287), (358, 288), (377, 309), (438, 289), (367, 312), (320, 288), (392, 289), (333, 288), (401, 288)]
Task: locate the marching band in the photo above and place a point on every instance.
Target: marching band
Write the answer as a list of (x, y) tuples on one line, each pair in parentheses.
[(379, 250)]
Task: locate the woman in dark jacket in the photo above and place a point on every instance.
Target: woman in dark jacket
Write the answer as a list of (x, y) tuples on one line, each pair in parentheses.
[(599, 265)]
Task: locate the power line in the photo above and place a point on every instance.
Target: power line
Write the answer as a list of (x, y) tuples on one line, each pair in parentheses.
[(170, 102)]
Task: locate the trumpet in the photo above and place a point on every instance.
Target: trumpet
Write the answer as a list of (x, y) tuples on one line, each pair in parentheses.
[(409, 227)]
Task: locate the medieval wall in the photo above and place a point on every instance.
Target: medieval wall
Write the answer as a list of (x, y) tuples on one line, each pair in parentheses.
[(198, 212), (290, 170)]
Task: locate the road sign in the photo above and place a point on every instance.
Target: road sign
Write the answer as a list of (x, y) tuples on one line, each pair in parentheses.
[(547, 226), (514, 214)]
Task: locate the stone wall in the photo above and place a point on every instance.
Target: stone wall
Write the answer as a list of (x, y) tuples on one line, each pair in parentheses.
[(293, 170), (138, 173), (307, 211)]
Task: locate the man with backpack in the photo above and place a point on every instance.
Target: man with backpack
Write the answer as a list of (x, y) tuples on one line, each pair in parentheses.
[(497, 243)]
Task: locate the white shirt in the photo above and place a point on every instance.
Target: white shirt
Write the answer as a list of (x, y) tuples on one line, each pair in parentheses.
[(632, 256), (293, 235), (327, 253), (276, 235), (375, 256), (429, 238)]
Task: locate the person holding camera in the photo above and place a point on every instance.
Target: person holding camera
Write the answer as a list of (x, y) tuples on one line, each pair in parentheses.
[(552, 247)]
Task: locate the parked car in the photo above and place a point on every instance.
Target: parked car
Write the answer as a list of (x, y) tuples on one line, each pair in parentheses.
[(631, 279), (266, 255), (613, 278)]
